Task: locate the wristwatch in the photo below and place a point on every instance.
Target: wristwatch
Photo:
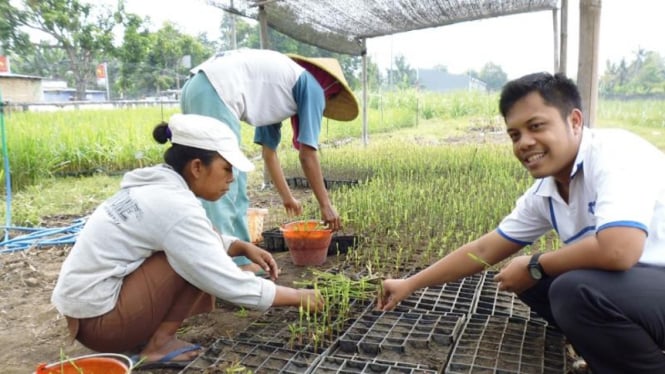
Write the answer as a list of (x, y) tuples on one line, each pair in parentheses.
[(535, 269)]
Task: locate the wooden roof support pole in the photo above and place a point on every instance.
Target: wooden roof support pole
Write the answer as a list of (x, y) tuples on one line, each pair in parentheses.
[(264, 44), (364, 103), (587, 68), (263, 26), (234, 37), (555, 32), (563, 54)]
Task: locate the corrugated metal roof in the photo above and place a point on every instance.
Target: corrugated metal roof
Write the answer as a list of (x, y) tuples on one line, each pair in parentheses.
[(19, 76), (341, 25)]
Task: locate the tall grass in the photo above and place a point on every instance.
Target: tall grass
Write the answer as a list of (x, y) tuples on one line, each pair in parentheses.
[(421, 199), (638, 113), (43, 145)]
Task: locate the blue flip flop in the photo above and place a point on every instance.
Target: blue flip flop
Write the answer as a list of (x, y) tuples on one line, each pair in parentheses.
[(166, 361), (262, 274)]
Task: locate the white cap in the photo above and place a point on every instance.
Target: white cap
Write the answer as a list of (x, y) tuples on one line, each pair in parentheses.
[(211, 134)]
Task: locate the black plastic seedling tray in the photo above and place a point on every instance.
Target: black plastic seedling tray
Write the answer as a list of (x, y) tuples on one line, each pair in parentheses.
[(507, 345), (493, 302), (302, 182), (273, 241), (411, 338), (274, 328), (341, 365), (341, 243), (297, 182), (225, 356), (457, 297), (337, 183)]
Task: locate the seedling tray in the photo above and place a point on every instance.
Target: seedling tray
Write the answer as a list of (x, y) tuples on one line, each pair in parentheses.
[(401, 337), (297, 182), (457, 297), (272, 329), (340, 244), (491, 301), (273, 241), (336, 183), (302, 182), (341, 365), (226, 356), (507, 345)]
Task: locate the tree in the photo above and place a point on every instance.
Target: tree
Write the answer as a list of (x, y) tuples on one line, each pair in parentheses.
[(472, 73), (651, 73), (43, 62), (152, 62), (644, 75), (132, 54), (402, 76), (83, 31), (12, 39), (493, 75)]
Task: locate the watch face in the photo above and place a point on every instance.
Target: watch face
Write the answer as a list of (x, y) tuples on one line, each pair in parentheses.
[(535, 272)]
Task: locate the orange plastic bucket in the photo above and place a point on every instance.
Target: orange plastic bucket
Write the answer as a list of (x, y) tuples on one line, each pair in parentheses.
[(307, 242), (106, 363)]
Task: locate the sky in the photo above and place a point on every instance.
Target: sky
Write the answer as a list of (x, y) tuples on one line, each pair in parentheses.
[(520, 44)]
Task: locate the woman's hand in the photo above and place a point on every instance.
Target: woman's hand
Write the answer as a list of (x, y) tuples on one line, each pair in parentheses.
[(262, 258), (331, 218), (310, 300), (293, 206)]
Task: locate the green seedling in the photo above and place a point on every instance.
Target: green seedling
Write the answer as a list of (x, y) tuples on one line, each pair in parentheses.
[(485, 264), (237, 368), (241, 313), (64, 358)]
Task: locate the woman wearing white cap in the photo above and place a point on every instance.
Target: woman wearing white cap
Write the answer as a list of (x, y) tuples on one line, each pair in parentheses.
[(263, 88), (148, 257)]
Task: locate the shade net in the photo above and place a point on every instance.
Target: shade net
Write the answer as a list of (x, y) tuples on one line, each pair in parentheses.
[(342, 25)]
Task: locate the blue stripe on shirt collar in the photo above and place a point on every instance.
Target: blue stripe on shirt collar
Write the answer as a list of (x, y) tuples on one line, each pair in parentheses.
[(552, 215)]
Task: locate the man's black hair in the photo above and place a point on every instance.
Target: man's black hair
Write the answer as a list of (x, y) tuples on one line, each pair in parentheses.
[(556, 90)]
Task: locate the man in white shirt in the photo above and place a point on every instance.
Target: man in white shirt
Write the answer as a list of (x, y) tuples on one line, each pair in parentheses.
[(603, 192)]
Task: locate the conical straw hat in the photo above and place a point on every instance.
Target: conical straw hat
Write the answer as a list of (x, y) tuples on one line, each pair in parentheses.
[(343, 106)]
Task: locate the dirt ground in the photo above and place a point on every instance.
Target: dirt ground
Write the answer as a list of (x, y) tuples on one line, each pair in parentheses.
[(34, 332)]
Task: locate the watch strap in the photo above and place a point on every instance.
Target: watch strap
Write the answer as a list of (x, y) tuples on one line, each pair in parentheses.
[(534, 262)]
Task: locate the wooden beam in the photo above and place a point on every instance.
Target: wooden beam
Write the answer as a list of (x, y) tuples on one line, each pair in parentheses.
[(563, 54), (365, 134), (587, 68), (555, 34), (265, 44), (263, 25), (234, 37)]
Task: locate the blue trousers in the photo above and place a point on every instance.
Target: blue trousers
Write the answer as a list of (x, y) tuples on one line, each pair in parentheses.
[(614, 320), (229, 213)]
